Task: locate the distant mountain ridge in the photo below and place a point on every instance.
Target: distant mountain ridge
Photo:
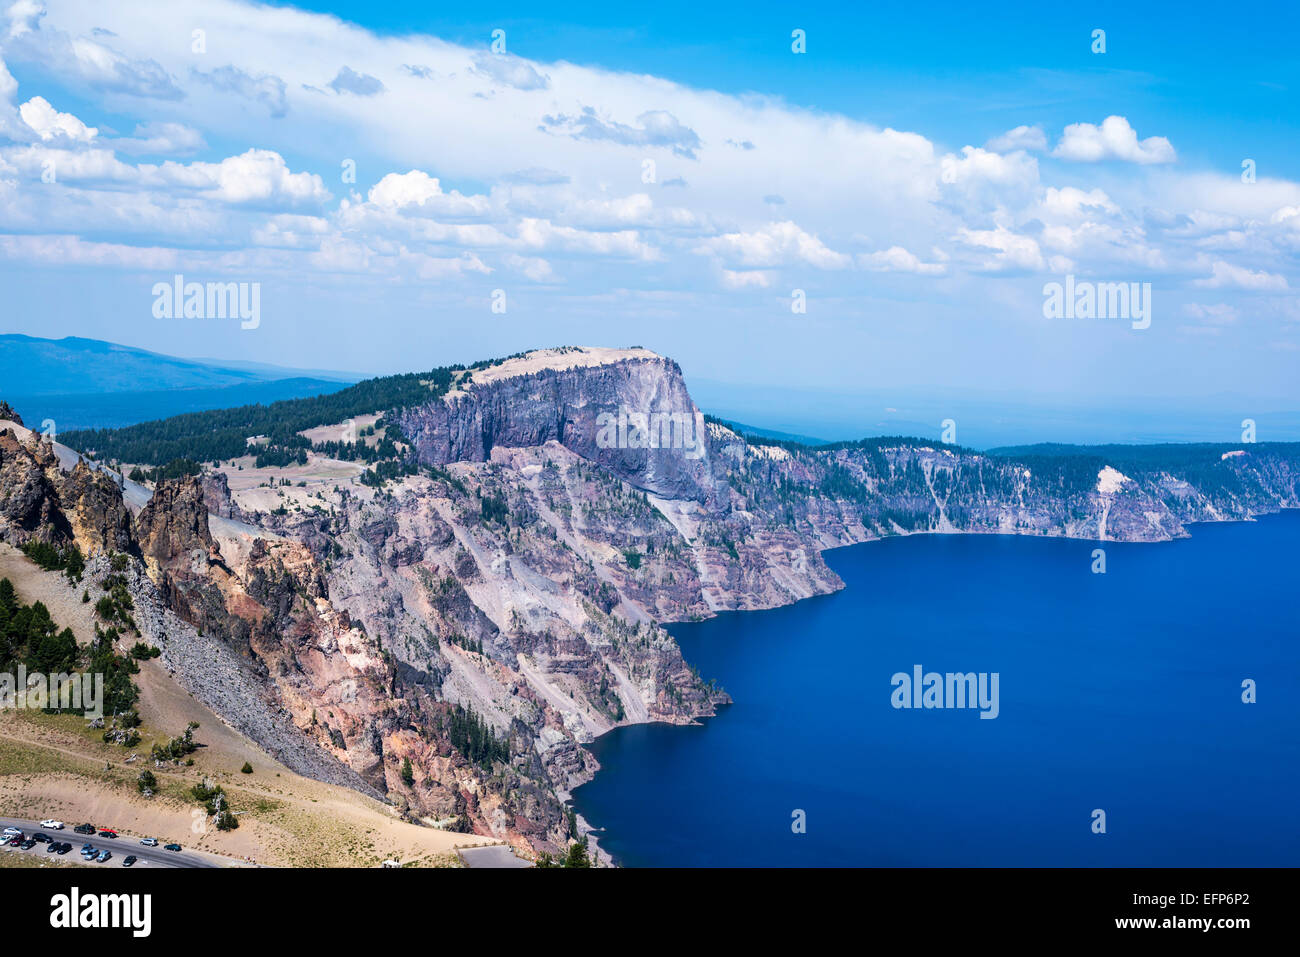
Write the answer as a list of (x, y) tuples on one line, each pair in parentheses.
[(80, 383), (77, 366)]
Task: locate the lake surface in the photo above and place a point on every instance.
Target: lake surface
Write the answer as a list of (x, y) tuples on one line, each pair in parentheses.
[(1120, 691)]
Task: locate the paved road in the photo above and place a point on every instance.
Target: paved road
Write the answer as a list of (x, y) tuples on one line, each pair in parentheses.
[(494, 855), (121, 847)]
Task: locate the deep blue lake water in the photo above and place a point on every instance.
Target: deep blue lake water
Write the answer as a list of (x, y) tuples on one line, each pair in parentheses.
[(1120, 691)]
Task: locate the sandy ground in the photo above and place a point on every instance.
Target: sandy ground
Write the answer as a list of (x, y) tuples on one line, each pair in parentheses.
[(558, 359), (336, 433), (55, 765)]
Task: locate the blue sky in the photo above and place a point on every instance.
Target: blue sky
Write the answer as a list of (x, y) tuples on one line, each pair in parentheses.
[(920, 173), (1207, 76)]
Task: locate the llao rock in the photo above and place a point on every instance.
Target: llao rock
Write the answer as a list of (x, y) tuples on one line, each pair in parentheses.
[(549, 400)]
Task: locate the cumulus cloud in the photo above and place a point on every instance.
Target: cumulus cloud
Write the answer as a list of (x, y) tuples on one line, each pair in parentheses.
[(977, 165), (49, 124), (259, 177), (1069, 202), (417, 188), (1010, 251), (898, 259), (1030, 138), (1115, 139), (776, 244)]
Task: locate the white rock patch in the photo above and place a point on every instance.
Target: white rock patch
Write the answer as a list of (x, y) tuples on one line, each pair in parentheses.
[(1110, 480)]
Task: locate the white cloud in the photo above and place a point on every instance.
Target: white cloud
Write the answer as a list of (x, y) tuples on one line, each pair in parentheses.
[(655, 128), (898, 259), (257, 176), (161, 139), (1010, 250), (72, 251), (1069, 202), (776, 244), (49, 124), (292, 231), (510, 70), (1115, 139), (532, 267), (8, 85), (976, 164), (1224, 275), (1030, 138), (265, 88), (417, 188), (348, 80), (746, 278)]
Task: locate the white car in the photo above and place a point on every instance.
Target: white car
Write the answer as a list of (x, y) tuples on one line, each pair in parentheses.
[(54, 825)]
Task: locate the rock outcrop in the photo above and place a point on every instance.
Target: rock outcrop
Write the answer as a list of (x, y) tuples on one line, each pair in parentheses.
[(545, 397)]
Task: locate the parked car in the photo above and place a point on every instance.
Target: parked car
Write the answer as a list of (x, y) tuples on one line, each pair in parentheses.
[(103, 856), (171, 847), (149, 841), (107, 832), (52, 847), (85, 829), (43, 838), (64, 848), (128, 860), (11, 831), (52, 824), (17, 841), (28, 844)]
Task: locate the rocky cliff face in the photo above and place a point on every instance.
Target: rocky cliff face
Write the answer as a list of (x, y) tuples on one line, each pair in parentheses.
[(29, 492), (527, 402)]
